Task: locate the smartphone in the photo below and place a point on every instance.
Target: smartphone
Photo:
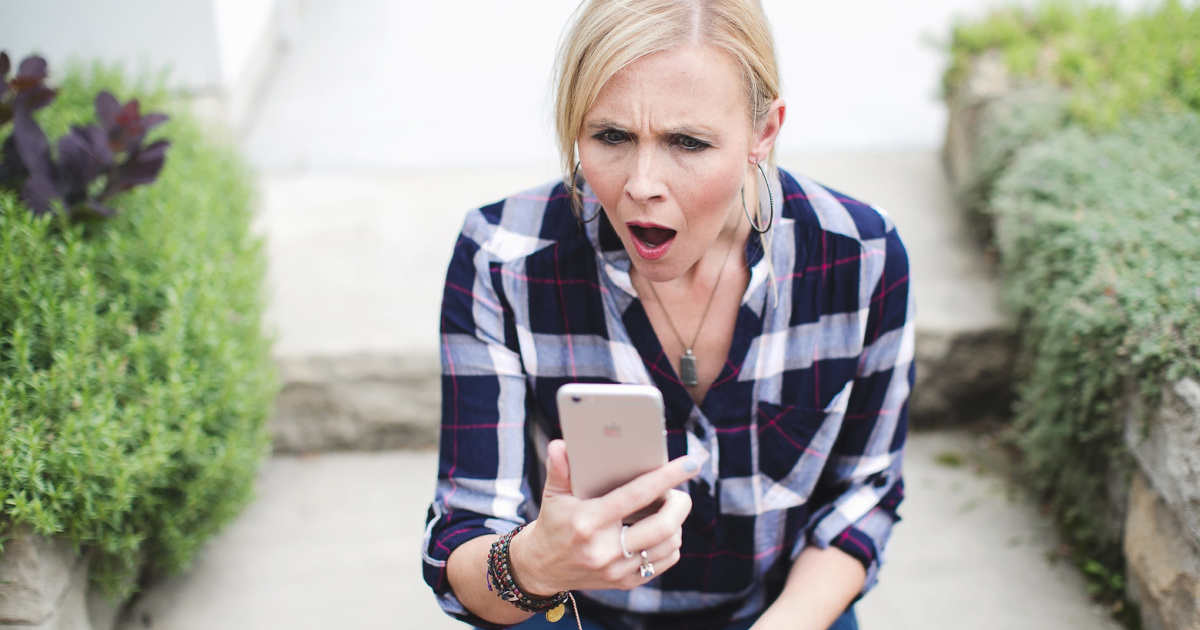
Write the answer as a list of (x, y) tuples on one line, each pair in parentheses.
[(614, 433)]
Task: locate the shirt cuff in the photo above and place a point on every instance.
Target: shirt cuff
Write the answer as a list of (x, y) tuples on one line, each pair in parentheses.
[(866, 539), (437, 549), (857, 544)]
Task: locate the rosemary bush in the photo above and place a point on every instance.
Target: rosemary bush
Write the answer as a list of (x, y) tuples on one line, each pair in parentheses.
[(135, 381)]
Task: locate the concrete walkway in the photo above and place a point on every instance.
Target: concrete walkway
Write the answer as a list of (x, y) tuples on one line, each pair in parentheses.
[(333, 541)]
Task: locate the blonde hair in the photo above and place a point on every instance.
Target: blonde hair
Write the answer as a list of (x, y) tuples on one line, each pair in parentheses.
[(607, 35)]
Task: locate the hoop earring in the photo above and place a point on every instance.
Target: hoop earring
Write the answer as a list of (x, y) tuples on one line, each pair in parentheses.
[(770, 198), (578, 209)]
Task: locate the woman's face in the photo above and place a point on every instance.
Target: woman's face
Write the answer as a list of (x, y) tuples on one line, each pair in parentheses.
[(665, 148)]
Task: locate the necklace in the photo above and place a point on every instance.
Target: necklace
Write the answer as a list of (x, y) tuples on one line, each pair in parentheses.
[(687, 362)]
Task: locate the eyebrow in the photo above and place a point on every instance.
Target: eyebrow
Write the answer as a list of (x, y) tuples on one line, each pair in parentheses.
[(605, 123)]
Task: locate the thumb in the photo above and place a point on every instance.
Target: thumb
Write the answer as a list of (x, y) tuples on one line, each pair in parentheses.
[(558, 472)]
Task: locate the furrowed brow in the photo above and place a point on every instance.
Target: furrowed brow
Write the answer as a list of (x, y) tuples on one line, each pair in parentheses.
[(682, 130), (691, 131), (604, 123)]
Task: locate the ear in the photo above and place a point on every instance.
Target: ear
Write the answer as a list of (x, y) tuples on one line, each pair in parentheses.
[(765, 137)]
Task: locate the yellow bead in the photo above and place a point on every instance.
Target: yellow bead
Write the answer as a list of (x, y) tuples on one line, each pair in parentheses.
[(556, 613)]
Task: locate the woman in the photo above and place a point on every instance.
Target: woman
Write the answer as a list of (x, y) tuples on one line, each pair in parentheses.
[(773, 314)]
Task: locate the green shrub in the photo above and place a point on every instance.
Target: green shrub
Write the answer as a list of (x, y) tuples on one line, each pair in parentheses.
[(1086, 180), (1114, 64), (135, 380), (1099, 237)]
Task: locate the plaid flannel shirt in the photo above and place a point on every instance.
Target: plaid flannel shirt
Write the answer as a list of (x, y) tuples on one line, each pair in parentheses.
[(801, 435)]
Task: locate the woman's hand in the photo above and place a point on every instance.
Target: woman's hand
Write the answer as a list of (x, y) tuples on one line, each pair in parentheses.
[(576, 544)]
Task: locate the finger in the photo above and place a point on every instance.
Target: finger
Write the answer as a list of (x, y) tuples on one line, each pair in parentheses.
[(658, 554), (661, 526), (662, 564), (631, 571), (558, 470), (644, 490)]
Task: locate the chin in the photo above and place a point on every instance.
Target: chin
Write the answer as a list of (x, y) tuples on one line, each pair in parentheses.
[(656, 270)]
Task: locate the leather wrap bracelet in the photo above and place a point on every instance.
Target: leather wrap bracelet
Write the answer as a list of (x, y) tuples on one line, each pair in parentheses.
[(500, 574)]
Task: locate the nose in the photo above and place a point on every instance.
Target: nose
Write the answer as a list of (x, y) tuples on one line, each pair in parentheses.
[(645, 182)]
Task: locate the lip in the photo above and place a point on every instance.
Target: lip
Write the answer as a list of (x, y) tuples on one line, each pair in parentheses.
[(646, 224), (645, 251)]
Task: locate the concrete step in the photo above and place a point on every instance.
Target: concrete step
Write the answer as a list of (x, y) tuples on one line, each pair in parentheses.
[(333, 541), (356, 267), (357, 263)]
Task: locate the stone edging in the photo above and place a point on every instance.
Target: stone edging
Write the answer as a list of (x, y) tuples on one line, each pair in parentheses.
[(357, 402), (1162, 528), (378, 402), (963, 376), (44, 586)]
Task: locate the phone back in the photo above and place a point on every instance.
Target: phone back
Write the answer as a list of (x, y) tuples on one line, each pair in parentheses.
[(614, 433)]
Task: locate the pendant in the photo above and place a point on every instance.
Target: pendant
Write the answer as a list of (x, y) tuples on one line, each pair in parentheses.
[(687, 369), (556, 613)]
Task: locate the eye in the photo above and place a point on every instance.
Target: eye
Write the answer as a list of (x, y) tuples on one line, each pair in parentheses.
[(691, 144), (611, 136)]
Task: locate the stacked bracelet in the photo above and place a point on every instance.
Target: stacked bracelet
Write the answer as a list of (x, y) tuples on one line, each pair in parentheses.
[(500, 574)]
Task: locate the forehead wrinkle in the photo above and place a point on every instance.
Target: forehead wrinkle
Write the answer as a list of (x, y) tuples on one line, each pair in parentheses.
[(695, 81)]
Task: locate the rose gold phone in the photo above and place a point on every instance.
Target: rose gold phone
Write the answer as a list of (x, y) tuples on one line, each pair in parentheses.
[(614, 433)]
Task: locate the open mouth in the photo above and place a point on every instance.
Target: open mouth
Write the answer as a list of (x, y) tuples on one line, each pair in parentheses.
[(651, 241)]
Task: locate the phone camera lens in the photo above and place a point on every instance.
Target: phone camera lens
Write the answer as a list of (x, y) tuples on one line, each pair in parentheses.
[(576, 399)]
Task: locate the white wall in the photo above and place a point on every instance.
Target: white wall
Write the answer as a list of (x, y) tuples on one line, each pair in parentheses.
[(220, 50), (241, 26), (415, 84), (150, 34), (402, 84), (383, 84)]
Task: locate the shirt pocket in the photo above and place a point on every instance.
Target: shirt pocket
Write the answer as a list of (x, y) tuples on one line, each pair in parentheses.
[(786, 451)]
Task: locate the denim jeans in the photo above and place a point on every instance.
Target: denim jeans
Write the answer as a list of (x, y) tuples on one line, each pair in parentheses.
[(538, 622)]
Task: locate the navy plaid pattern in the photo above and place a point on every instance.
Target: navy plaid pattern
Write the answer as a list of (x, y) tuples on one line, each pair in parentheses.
[(801, 435)]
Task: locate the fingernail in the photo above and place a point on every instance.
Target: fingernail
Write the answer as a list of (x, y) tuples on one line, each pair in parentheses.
[(690, 465)]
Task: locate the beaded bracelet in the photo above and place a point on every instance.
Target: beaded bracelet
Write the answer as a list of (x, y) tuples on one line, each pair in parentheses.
[(500, 573)]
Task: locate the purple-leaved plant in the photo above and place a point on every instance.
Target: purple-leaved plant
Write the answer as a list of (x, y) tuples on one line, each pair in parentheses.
[(111, 151)]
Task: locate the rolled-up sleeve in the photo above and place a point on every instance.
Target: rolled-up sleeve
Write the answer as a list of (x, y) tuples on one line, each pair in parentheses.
[(482, 487), (861, 485)]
